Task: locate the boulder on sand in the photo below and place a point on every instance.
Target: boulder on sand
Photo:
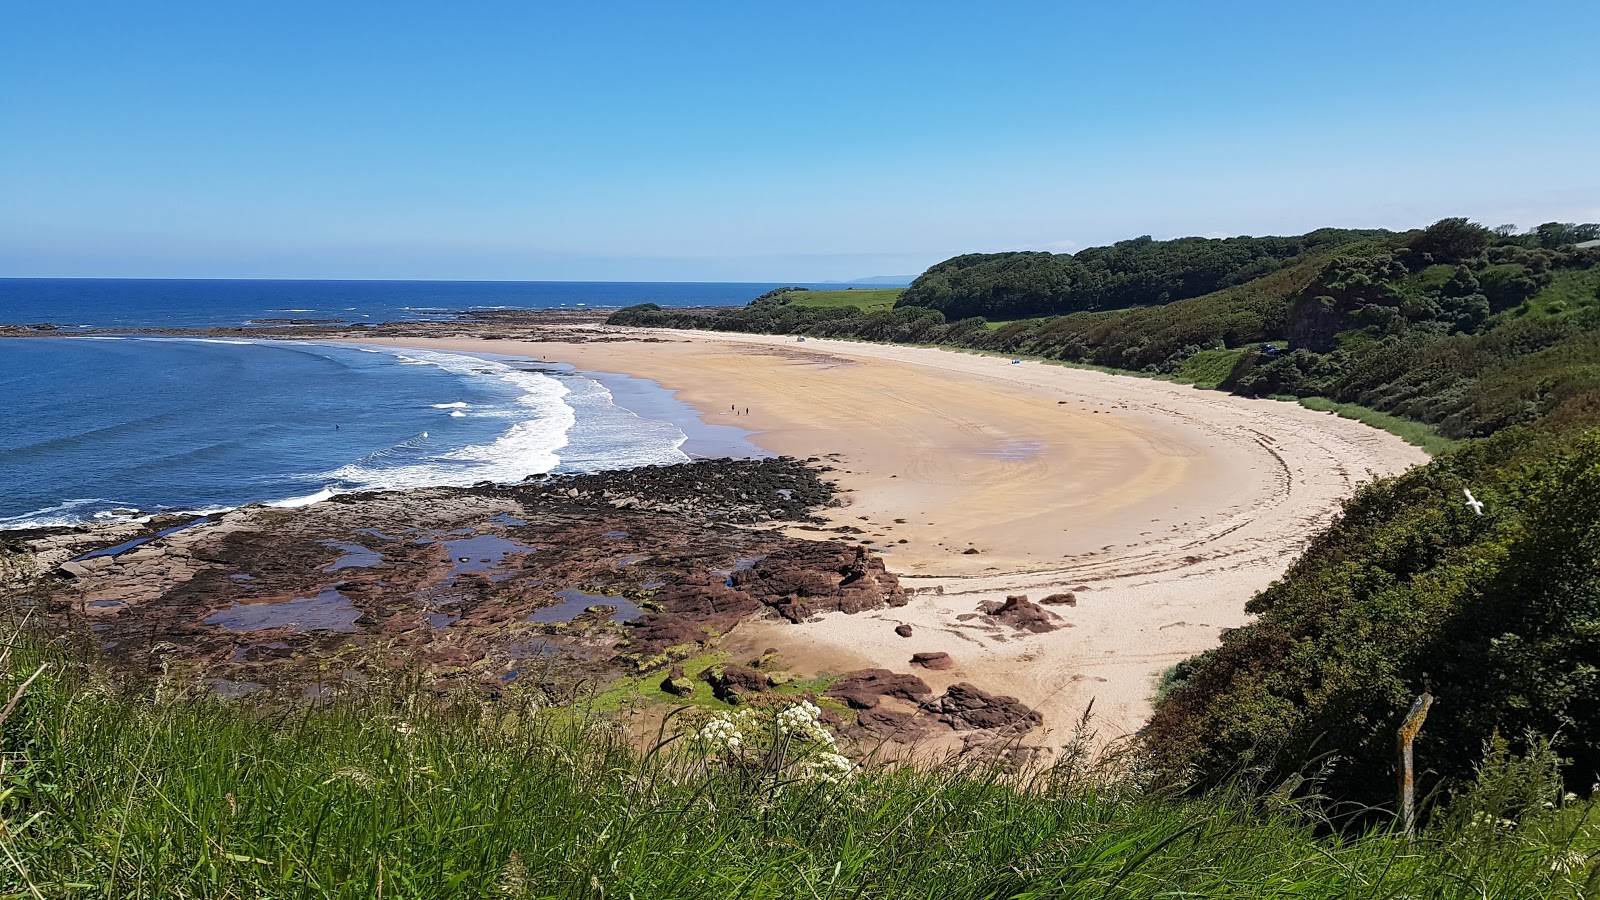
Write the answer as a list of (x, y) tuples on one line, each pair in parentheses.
[(862, 689), (903, 630), (965, 707), (1066, 599), (1023, 614), (933, 660)]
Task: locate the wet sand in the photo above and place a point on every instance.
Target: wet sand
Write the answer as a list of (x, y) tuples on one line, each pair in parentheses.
[(1163, 508)]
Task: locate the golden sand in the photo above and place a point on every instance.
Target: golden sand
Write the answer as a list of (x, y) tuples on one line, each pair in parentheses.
[(1163, 507)]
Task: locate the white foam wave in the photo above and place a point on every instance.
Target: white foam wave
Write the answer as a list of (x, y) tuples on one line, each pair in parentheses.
[(609, 436), (457, 414), (67, 512), (307, 500), (456, 405), (528, 447)]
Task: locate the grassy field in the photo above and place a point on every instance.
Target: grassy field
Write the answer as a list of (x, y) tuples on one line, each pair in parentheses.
[(1209, 368), (865, 300), (397, 793), (1415, 433), (1567, 291)]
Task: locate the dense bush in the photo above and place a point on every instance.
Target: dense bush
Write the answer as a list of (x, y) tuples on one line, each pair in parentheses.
[(1498, 615), (1138, 272)]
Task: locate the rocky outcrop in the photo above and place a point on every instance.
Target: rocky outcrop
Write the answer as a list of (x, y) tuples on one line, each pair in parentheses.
[(1065, 599), (933, 660), (1022, 614), (863, 689), (471, 587), (798, 583), (965, 707), (677, 683), (735, 684)]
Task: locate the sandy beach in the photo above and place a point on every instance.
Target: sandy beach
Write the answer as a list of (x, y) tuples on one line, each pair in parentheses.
[(1161, 507)]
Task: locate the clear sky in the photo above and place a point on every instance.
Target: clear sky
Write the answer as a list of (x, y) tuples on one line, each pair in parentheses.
[(763, 141)]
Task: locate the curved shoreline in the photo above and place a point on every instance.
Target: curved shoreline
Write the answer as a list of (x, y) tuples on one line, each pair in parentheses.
[(1164, 508)]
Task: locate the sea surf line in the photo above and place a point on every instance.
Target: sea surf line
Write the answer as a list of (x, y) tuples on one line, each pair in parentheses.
[(202, 425)]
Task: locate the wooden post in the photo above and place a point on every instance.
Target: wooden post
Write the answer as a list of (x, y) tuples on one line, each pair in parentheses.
[(1407, 734)]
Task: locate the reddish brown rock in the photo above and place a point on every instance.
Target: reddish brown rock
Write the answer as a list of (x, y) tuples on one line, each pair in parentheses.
[(903, 630), (862, 689), (1066, 599), (933, 660), (733, 684), (802, 580), (965, 707), (892, 723), (1024, 615), (462, 585)]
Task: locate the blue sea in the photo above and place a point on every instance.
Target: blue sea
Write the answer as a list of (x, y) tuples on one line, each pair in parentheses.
[(109, 427)]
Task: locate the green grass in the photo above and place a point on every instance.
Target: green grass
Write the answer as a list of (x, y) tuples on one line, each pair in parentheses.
[(1209, 368), (1568, 290), (1417, 434), (866, 300), (397, 794), (997, 324), (636, 691)]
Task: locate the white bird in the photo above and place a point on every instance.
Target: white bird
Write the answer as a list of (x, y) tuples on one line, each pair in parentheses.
[(1474, 502)]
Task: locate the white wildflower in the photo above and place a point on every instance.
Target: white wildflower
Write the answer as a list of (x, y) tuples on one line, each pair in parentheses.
[(721, 733), (798, 719), (804, 721), (832, 768)]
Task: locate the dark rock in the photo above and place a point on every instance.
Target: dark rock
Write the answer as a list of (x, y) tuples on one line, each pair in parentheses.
[(731, 684), (891, 723), (970, 551), (933, 660), (862, 689), (475, 565), (1067, 599), (677, 683), (966, 707), (903, 630), (1024, 615)]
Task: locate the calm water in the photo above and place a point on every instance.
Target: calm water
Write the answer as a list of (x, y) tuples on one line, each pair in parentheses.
[(104, 427), (139, 303)]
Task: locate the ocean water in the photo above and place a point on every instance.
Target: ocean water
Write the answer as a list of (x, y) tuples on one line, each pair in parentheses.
[(122, 427), (140, 303)]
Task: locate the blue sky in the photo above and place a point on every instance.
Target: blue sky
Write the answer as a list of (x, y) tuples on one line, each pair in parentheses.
[(763, 141)]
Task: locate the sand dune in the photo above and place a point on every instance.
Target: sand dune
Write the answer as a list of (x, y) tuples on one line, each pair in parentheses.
[(1163, 507)]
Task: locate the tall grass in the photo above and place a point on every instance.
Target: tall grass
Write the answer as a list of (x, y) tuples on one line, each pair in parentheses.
[(864, 299), (1417, 434), (395, 792), (1209, 368)]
